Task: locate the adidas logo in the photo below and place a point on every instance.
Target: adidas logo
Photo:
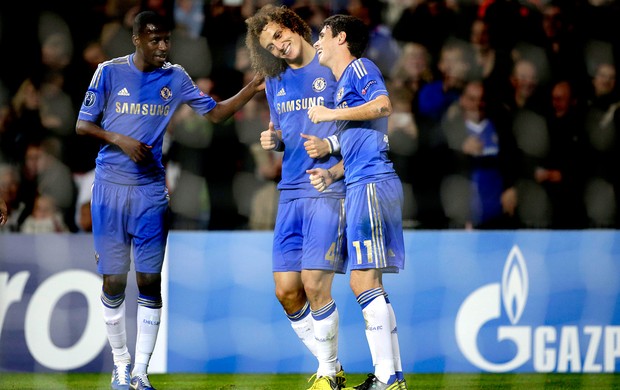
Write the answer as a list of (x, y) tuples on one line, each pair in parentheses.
[(123, 92), (281, 92)]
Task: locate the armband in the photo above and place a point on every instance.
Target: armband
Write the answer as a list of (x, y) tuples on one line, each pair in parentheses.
[(334, 144)]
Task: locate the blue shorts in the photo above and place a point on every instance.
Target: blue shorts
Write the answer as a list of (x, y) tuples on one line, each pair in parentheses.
[(310, 234), (126, 216), (375, 226)]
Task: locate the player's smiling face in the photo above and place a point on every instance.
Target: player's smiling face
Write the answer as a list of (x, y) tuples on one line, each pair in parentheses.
[(154, 44), (280, 41)]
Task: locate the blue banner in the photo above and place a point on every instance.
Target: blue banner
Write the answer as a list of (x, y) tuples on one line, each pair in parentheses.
[(510, 301), (518, 301)]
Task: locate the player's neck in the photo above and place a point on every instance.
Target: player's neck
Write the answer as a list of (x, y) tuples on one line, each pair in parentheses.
[(307, 55), (340, 64), (141, 64)]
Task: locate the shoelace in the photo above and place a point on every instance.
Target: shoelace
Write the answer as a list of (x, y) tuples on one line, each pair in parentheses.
[(121, 377)]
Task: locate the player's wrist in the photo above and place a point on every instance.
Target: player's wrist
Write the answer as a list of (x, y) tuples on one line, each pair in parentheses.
[(333, 144), (331, 175)]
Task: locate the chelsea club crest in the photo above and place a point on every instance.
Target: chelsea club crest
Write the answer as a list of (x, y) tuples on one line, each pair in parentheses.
[(165, 93), (319, 84)]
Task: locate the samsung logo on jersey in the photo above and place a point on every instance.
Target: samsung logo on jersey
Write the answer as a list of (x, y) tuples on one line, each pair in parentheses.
[(142, 109), (299, 104)]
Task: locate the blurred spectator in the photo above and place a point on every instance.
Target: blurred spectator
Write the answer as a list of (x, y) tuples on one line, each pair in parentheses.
[(429, 23), (485, 54), (9, 193), (526, 92), (602, 122), (189, 17), (264, 200), (492, 65), (403, 136), (430, 163), (479, 192), (223, 16), (4, 216), (45, 217), (596, 25), (518, 48), (512, 21), (84, 184), (412, 70), (190, 48), (455, 69), (255, 184), (22, 122), (45, 174), (527, 106), (313, 13), (116, 33), (189, 138), (562, 170), (382, 48), (563, 48)]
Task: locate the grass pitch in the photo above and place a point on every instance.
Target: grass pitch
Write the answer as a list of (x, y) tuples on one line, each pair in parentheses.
[(24, 381)]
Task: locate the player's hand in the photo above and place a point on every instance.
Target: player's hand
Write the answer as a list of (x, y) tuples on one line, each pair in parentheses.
[(315, 147), (320, 178), (139, 152), (320, 113), (269, 138), (258, 82)]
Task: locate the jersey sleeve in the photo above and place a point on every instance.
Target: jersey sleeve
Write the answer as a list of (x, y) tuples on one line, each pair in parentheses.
[(194, 96), (94, 101), (369, 81)]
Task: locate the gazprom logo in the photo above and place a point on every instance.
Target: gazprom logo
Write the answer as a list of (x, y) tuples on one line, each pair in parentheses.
[(589, 348)]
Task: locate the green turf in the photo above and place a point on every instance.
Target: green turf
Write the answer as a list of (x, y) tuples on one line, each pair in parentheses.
[(24, 381)]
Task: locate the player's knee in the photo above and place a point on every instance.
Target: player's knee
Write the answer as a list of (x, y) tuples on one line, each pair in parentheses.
[(290, 297)]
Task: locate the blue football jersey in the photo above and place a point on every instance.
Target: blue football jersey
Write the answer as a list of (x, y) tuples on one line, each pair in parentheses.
[(125, 100), (289, 96), (364, 144)]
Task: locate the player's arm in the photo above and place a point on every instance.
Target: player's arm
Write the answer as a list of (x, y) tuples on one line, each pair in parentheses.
[(379, 107), (225, 109), (136, 150), (321, 178)]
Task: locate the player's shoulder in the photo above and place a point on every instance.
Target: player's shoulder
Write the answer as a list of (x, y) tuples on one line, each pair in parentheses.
[(176, 70), (115, 62), (363, 67)]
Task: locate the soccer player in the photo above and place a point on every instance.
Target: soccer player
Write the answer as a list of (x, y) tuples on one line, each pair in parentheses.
[(309, 241), (128, 105), (374, 196)]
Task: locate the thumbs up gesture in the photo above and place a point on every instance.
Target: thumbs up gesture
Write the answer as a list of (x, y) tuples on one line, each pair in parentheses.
[(271, 139)]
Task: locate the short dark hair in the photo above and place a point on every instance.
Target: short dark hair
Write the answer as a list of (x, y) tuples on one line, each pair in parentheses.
[(144, 18), (356, 30)]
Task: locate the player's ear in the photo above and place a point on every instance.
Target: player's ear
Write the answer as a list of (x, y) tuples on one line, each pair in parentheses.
[(136, 40), (342, 37)]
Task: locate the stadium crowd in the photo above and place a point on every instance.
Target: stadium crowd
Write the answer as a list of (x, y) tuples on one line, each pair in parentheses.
[(505, 111)]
